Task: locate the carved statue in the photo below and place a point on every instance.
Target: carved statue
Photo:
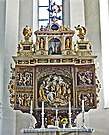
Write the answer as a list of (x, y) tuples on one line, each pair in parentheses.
[(27, 31), (67, 43), (41, 94), (82, 31), (58, 91), (63, 90), (41, 43)]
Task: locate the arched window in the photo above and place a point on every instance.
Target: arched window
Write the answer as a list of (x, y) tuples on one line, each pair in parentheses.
[(44, 14)]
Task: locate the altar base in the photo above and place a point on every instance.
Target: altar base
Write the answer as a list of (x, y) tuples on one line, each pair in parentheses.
[(58, 131)]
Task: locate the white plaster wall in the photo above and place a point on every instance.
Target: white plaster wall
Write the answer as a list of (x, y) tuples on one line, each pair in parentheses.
[(77, 16), (66, 12), (76, 13), (35, 15), (97, 118), (11, 39), (2, 43), (104, 17), (25, 15)]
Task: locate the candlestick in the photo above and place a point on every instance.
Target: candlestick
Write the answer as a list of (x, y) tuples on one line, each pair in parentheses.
[(31, 108), (56, 122), (69, 107), (31, 111), (42, 115), (42, 107), (83, 118), (83, 105), (56, 113), (70, 125)]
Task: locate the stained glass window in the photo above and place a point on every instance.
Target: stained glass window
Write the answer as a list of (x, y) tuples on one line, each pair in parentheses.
[(44, 14)]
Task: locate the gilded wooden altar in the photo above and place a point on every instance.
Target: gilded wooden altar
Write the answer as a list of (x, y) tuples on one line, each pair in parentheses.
[(56, 69)]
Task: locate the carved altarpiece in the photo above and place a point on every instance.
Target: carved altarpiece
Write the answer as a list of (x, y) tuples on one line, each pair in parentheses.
[(56, 69)]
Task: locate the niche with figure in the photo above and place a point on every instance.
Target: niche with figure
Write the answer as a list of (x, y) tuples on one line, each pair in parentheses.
[(68, 43), (41, 43), (54, 46)]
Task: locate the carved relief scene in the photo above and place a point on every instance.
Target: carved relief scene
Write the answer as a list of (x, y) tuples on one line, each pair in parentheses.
[(85, 75), (24, 87), (54, 87)]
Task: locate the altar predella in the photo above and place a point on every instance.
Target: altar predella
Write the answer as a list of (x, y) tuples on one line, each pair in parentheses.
[(52, 77)]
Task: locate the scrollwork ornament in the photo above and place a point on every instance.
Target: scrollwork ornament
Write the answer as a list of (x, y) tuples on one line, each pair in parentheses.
[(11, 86)]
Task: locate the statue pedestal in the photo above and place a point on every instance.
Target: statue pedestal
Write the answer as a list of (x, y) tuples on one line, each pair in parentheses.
[(58, 131)]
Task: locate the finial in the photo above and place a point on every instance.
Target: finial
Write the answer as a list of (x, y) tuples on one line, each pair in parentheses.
[(81, 31), (27, 32)]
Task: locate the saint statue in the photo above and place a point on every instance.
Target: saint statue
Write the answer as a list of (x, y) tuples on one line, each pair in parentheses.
[(67, 43), (41, 43), (42, 97), (63, 90)]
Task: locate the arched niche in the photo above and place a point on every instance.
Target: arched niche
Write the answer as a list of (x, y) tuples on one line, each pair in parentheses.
[(54, 46)]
